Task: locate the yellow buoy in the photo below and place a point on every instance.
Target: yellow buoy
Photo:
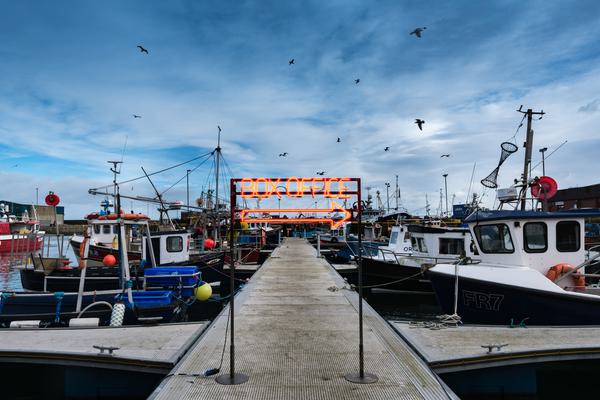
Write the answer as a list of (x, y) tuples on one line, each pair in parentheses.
[(203, 292)]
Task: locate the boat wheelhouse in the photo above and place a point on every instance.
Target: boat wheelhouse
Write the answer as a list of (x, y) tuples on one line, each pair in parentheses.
[(531, 270), (411, 247)]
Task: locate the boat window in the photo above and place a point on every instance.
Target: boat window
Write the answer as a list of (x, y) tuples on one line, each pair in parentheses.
[(567, 236), (452, 246), (418, 244), (494, 238), (535, 237), (174, 244), (115, 229), (97, 229), (106, 229), (393, 237)]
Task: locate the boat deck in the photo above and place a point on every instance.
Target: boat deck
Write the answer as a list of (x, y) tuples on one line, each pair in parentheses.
[(460, 348), (297, 337), (153, 349)]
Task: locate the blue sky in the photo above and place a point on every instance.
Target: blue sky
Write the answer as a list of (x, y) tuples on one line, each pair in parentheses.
[(71, 77)]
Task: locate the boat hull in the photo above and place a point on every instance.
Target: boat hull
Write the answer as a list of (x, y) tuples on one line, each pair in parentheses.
[(393, 276), (20, 243), (484, 302)]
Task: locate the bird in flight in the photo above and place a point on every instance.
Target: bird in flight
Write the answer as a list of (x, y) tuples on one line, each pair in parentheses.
[(339, 140), (15, 166), (357, 81), (420, 122), (283, 154), (291, 61), (143, 50), (137, 116), (445, 155), (387, 148), (417, 32), (321, 173)]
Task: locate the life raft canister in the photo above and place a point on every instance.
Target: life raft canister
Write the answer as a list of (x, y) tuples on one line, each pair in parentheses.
[(560, 269)]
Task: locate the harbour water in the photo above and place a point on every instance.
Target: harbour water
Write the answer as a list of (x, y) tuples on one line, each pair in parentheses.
[(10, 279)]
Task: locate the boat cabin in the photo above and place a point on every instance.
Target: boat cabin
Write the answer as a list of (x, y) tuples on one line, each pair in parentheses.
[(440, 242), (168, 246), (534, 239)]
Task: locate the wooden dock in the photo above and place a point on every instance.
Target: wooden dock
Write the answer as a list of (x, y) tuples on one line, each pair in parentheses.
[(460, 349), (297, 337), (150, 349)]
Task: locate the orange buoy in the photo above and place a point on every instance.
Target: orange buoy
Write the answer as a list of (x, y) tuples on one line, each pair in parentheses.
[(558, 270), (209, 244), (109, 260)]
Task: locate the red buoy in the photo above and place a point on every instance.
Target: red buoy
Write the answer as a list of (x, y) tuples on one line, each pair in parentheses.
[(109, 260), (544, 188), (52, 199), (209, 244)]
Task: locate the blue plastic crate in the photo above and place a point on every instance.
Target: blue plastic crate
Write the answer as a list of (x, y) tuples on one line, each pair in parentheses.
[(152, 298), (170, 278)]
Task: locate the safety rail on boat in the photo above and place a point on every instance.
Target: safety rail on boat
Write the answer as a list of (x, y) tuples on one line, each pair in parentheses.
[(429, 259), (21, 247)]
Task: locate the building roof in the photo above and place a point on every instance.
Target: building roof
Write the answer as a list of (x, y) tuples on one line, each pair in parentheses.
[(578, 193)]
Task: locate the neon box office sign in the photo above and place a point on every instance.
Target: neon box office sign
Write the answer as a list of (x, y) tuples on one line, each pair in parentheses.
[(294, 187)]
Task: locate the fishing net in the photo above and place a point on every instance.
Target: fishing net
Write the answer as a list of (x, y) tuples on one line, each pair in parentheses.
[(490, 181)]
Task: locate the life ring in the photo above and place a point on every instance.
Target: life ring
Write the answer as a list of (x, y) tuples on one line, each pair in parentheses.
[(560, 269)]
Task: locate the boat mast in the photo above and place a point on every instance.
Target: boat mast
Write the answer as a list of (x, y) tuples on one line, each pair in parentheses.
[(115, 171), (397, 194), (528, 149), (218, 159)]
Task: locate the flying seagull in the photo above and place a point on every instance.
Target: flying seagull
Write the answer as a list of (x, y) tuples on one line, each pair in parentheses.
[(445, 155), (137, 116), (283, 154), (143, 50), (387, 148), (291, 61), (417, 32), (321, 173), (339, 140), (420, 122), (357, 81)]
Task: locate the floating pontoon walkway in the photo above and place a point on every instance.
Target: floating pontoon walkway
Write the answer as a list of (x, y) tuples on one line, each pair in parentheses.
[(297, 337), (460, 348), (151, 349)]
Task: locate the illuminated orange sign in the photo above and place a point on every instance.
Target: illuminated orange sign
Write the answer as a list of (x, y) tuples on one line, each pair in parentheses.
[(331, 188), (295, 188), (246, 215)]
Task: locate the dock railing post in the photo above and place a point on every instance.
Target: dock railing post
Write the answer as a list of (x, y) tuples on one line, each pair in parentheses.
[(232, 378), (319, 245), (361, 376)]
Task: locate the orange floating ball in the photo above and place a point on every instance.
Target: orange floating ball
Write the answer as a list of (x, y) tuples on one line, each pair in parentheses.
[(109, 260), (209, 244)]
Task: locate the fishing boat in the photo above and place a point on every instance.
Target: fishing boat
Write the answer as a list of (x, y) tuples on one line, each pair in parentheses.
[(399, 265), (172, 247), (532, 270), (18, 234), (165, 294)]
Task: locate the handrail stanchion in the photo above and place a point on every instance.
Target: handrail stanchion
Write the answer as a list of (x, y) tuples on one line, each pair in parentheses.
[(361, 376), (232, 378), (319, 245)]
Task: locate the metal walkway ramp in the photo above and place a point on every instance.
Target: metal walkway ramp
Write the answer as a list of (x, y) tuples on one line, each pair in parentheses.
[(296, 337)]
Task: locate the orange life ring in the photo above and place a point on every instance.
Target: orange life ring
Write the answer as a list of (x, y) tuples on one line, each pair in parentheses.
[(559, 269)]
